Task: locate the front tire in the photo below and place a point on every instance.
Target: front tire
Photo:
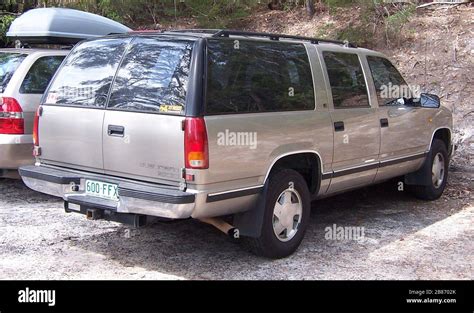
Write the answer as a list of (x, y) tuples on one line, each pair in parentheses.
[(438, 176), (286, 215)]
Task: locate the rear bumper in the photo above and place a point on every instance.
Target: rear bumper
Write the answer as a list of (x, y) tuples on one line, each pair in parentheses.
[(135, 197), (15, 151)]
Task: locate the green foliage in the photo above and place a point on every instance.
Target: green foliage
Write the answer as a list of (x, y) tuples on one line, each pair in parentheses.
[(395, 22), (339, 3), (219, 13), (5, 22), (5, 4), (324, 32), (208, 13), (378, 19), (358, 34), (291, 4)]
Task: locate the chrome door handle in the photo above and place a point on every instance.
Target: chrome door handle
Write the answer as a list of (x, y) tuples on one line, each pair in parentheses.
[(116, 131)]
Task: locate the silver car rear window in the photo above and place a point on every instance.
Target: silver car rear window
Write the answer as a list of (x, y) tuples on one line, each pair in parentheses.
[(9, 62)]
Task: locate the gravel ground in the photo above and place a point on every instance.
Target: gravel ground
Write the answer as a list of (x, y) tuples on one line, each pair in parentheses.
[(404, 239)]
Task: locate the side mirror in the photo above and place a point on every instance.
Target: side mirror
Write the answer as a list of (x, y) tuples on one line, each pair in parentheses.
[(428, 100)]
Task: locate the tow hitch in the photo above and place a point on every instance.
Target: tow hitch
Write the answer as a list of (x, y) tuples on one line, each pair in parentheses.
[(93, 214), (135, 220)]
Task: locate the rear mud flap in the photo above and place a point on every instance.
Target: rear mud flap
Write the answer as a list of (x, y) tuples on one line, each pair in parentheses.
[(250, 222)]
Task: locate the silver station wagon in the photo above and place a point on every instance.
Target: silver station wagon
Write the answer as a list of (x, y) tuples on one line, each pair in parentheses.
[(240, 130), (24, 76), (25, 72)]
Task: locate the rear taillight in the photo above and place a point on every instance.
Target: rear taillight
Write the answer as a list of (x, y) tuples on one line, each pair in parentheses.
[(11, 117), (35, 127), (195, 143)]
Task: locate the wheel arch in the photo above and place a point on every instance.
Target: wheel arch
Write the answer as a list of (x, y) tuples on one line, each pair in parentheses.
[(306, 162), (422, 175), (250, 222), (444, 134)]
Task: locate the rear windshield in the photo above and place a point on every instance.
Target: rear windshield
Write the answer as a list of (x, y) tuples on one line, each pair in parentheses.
[(38, 77), (9, 62), (153, 77), (87, 73), (140, 75)]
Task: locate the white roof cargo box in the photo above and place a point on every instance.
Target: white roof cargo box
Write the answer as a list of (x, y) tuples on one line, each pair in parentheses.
[(61, 26)]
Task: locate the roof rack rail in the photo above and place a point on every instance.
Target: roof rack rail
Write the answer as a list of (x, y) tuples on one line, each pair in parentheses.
[(195, 30), (227, 33), (146, 31)]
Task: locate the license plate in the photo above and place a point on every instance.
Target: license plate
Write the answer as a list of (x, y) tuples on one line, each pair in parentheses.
[(102, 190)]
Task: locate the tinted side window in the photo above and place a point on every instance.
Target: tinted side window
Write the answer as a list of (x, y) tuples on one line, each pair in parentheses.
[(40, 74), (248, 76), (9, 62), (153, 77), (385, 77), (346, 79), (87, 73)]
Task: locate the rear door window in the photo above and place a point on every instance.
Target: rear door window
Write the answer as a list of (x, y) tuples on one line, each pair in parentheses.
[(86, 76), (246, 76), (346, 79), (9, 62), (153, 77), (38, 77)]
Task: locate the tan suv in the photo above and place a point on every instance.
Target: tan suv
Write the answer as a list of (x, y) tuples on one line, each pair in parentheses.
[(240, 130)]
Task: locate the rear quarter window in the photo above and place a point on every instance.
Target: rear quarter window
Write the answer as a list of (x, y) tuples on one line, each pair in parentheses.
[(38, 77), (9, 62), (86, 76), (153, 77), (245, 76)]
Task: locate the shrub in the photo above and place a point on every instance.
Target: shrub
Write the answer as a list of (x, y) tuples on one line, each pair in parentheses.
[(378, 20), (5, 22)]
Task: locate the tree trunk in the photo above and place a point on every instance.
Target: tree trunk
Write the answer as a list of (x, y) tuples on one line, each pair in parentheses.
[(310, 7), (21, 6)]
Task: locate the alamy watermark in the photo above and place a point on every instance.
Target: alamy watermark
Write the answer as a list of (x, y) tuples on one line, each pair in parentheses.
[(82, 93), (37, 296), (392, 91), (231, 138), (335, 232)]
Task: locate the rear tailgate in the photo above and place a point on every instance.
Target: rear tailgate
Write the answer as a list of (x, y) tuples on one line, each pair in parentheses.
[(151, 147), (70, 126), (142, 134), (71, 137)]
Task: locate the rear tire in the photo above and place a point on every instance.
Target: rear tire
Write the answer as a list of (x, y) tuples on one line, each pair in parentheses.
[(439, 162), (286, 215)]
